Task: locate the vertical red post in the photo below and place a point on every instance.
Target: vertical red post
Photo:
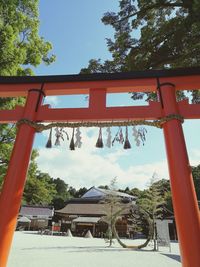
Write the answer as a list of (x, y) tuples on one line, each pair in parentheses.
[(12, 191), (183, 191), (97, 101)]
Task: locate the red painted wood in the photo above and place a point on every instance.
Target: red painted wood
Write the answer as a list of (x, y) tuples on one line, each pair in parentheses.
[(150, 112), (12, 191), (97, 100), (183, 193), (153, 111), (11, 116), (113, 86), (189, 111)]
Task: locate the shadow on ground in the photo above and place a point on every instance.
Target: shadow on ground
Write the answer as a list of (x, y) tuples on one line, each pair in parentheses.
[(173, 256), (78, 249)]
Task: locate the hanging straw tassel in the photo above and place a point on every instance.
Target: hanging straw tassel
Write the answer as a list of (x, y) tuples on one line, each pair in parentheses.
[(49, 142), (72, 145), (127, 144), (99, 142)]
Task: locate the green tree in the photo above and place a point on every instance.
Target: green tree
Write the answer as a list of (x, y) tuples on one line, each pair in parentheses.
[(152, 34), (112, 208), (72, 191), (62, 193), (21, 47), (61, 188), (77, 193), (196, 177), (80, 192), (39, 188), (135, 192), (152, 203), (7, 135)]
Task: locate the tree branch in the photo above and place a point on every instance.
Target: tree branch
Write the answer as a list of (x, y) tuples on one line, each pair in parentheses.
[(145, 9)]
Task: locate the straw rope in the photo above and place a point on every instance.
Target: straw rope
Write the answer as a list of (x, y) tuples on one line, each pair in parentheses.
[(39, 127)]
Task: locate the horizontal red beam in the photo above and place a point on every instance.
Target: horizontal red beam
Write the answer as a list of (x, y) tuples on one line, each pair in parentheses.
[(46, 114), (112, 86), (184, 82), (11, 116), (104, 114), (189, 111), (151, 112), (73, 88)]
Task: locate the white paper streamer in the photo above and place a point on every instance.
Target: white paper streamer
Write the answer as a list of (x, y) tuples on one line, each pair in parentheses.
[(109, 138), (78, 142)]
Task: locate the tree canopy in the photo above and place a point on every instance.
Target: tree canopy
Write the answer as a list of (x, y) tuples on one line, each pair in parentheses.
[(7, 135), (21, 47), (154, 34), (39, 188), (196, 177), (20, 44)]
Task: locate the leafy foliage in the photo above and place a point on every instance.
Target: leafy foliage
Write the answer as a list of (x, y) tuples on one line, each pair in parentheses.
[(20, 43), (196, 177), (113, 208), (152, 202), (20, 48), (39, 188), (7, 135), (155, 34), (62, 193)]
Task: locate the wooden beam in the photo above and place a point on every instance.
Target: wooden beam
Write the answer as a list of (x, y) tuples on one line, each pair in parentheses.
[(189, 111), (137, 81), (101, 113)]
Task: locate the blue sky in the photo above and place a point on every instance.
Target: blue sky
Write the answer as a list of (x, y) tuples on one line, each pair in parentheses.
[(77, 34)]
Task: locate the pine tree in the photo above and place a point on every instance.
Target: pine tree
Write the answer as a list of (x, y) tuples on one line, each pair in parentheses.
[(111, 207), (152, 202)]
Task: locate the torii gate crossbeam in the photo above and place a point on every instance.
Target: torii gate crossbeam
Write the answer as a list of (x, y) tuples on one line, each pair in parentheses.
[(97, 86)]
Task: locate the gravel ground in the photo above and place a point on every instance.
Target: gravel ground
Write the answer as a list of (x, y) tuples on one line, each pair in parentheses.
[(33, 250)]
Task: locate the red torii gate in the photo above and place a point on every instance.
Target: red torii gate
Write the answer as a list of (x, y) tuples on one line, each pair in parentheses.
[(97, 86)]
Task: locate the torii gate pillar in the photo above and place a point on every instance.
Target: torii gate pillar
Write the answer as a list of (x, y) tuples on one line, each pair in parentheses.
[(183, 192), (10, 198)]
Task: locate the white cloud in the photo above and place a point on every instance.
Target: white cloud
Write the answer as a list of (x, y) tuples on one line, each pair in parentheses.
[(90, 166), (194, 157), (52, 100)]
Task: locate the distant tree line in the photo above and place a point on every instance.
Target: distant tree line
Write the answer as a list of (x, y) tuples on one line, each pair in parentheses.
[(42, 189)]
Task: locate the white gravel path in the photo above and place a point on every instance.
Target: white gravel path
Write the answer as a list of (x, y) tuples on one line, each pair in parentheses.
[(34, 250)]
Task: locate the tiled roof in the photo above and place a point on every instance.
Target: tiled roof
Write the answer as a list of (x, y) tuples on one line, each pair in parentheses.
[(36, 211), (96, 192), (117, 193), (86, 209)]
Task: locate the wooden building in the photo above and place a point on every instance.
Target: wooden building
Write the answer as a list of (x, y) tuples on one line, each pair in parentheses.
[(39, 216), (88, 213)]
